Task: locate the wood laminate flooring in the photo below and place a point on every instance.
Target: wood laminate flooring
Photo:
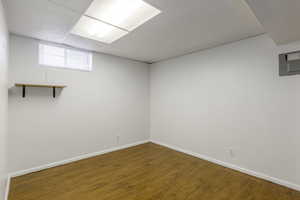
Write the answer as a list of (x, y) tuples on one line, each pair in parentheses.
[(145, 172)]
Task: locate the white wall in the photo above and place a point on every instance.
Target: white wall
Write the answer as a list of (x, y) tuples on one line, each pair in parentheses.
[(87, 116), (3, 99), (230, 97)]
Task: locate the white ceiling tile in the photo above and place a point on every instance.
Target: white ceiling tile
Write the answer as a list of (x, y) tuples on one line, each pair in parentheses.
[(280, 18), (79, 6), (40, 19)]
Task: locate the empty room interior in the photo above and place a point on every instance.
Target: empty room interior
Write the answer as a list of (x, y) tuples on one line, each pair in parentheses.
[(149, 100)]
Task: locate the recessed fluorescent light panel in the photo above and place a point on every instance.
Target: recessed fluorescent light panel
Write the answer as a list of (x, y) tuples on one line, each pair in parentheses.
[(127, 14), (109, 20), (97, 30)]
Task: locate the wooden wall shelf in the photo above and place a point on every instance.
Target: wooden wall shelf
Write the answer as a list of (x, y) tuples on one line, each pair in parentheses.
[(24, 85)]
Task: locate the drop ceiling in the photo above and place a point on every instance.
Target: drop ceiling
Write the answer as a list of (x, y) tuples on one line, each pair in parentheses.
[(182, 26), (280, 18)]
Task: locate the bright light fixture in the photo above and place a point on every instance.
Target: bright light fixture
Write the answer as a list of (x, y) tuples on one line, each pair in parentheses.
[(97, 30), (109, 20), (127, 14)]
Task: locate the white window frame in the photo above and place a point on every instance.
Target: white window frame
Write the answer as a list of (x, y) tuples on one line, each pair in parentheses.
[(87, 68)]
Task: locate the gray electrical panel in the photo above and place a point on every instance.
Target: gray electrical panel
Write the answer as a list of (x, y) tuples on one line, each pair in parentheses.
[(289, 63)]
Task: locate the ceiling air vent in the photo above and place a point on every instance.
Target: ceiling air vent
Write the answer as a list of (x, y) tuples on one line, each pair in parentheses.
[(289, 63)]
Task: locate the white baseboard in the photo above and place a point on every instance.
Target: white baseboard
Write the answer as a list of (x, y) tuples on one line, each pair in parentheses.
[(234, 167), (63, 162), (7, 187)]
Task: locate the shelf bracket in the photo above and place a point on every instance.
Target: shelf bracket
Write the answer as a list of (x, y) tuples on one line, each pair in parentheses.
[(54, 92), (23, 91)]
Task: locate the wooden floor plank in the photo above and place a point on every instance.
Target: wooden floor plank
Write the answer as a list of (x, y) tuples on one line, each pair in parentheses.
[(145, 172)]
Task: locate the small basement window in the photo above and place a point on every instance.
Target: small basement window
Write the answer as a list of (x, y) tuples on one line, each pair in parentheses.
[(62, 57)]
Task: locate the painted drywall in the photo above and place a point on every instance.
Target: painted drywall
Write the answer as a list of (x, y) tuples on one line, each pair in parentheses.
[(3, 99), (102, 109), (229, 104)]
